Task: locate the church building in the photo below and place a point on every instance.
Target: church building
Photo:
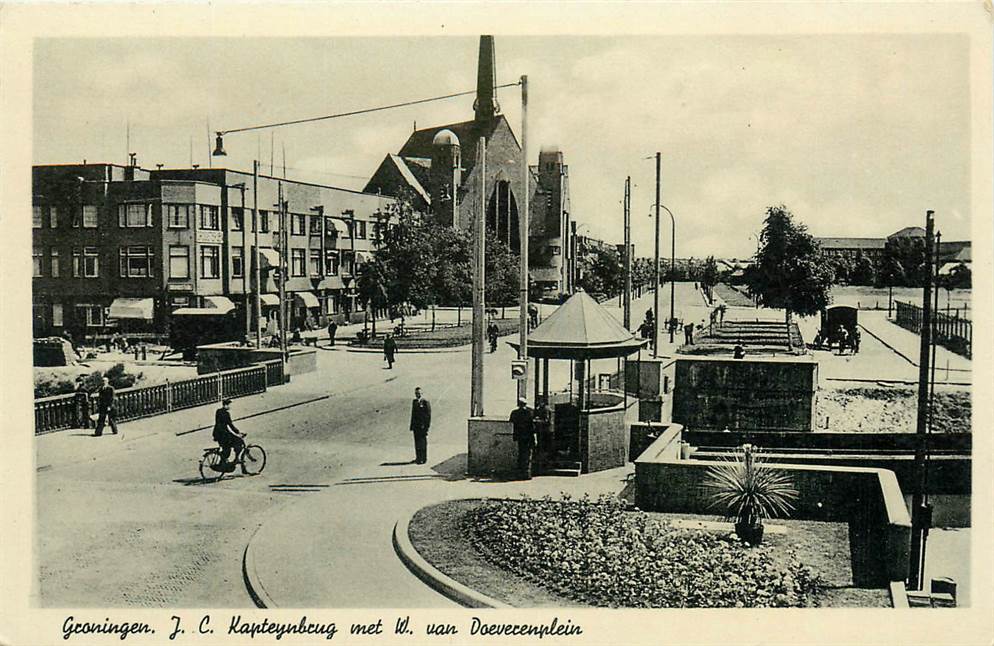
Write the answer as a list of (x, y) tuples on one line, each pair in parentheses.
[(436, 170)]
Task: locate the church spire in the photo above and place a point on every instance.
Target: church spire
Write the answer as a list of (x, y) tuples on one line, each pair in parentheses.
[(486, 106)]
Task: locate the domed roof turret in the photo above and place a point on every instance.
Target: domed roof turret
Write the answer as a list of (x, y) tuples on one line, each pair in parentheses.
[(445, 138)]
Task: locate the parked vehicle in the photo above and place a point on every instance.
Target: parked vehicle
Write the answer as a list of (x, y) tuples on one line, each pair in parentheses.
[(833, 318), (190, 327)]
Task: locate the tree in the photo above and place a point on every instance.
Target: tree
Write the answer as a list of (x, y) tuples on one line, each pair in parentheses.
[(603, 272), (502, 273), (863, 271), (371, 286), (791, 272), (709, 275), (909, 254)]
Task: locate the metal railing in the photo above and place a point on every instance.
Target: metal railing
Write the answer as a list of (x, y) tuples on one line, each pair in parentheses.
[(951, 332), (64, 411)]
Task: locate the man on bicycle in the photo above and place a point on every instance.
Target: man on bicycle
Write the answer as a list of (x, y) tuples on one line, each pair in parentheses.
[(226, 435)]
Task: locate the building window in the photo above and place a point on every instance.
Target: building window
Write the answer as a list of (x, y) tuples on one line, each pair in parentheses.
[(210, 261), (237, 219), (134, 215), (316, 225), (136, 262), (555, 250), (330, 263), (54, 254), (179, 261), (53, 217), (297, 262), (315, 262), (178, 215), (90, 315), (89, 216), (86, 263), (347, 233), (263, 221), (360, 229), (209, 218), (36, 217), (237, 262), (298, 222), (348, 265), (36, 262), (57, 314)]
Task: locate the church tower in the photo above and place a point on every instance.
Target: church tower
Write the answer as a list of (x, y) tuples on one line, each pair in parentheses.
[(485, 106)]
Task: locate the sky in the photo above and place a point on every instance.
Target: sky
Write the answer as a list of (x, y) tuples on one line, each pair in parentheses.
[(856, 134)]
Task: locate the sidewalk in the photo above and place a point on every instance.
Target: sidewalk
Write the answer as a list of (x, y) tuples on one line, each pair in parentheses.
[(334, 549), (908, 344)]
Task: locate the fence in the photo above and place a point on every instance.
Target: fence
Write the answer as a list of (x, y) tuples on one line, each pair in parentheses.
[(951, 332), (62, 411)]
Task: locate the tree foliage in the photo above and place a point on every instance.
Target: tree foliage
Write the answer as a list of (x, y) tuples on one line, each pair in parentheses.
[(602, 272), (790, 272)]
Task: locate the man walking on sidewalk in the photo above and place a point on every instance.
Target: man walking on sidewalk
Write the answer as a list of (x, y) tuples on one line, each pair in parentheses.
[(522, 420), (389, 350), (420, 423), (332, 332), (105, 408)]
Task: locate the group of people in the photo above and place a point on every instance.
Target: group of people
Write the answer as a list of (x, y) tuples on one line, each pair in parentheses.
[(528, 426), (106, 413), (841, 337)]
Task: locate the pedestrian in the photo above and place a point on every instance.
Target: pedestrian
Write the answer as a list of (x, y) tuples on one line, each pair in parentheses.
[(739, 352), (493, 333), (295, 337), (389, 350), (105, 408), (721, 314), (543, 430), (332, 332), (81, 398), (856, 336), (420, 423), (522, 422), (688, 334), (843, 340)]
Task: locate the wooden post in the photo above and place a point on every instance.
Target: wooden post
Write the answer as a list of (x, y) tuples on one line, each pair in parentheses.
[(479, 285)]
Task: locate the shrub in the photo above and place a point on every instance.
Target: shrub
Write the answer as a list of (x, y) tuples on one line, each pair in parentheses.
[(597, 553)]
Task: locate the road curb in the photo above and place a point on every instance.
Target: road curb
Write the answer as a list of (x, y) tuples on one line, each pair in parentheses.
[(250, 575), (457, 348), (432, 576)]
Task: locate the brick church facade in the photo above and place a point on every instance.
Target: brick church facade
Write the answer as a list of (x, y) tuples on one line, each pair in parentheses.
[(436, 169)]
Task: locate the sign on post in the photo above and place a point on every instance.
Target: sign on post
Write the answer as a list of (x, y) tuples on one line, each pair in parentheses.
[(519, 369)]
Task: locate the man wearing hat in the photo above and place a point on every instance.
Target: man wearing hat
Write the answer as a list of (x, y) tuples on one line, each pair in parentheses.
[(522, 420), (227, 435)]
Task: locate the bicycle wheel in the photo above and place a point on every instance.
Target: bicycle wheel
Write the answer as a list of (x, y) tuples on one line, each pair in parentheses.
[(210, 459), (253, 459)]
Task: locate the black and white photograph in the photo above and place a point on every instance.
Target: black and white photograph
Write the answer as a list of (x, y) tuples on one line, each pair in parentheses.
[(452, 325)]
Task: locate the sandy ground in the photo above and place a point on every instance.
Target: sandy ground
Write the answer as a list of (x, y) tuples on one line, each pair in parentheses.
[(889, 410)]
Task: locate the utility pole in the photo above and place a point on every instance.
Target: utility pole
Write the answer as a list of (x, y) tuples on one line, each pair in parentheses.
[(670, 324), (921, 512), (245, 289), (523, 235), (255, 252), (655, 265), (284, 269), (479, 283), (628, 254)]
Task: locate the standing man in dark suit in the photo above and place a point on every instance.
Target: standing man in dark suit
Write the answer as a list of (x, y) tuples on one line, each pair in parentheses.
[(389, 350), (420, 423), (105, 408), (522, 421)]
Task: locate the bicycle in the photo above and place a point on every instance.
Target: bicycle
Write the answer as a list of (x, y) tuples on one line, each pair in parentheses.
[(252, 460)]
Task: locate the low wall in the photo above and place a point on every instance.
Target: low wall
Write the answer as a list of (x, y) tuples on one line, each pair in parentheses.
[(755, 393), (216, 357), (870, 500), (604, 435), (302, 360), (645, 378), (492, 449)]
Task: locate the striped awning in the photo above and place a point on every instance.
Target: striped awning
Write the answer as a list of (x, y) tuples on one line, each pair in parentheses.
[(271, 300), (269, 258), (222, 303), (331, 282)]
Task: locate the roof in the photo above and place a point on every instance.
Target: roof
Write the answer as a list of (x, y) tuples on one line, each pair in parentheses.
[(581, 329), (908, 232), (410, 178), (419, 144), (852, 243)]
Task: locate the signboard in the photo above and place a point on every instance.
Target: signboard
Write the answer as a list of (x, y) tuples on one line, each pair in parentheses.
[(519, 369)]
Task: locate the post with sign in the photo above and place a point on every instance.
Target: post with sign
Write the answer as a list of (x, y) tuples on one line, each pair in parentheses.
[(519, 369)]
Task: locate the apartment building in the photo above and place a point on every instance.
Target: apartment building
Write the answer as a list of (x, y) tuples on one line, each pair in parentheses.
[(121, 247)]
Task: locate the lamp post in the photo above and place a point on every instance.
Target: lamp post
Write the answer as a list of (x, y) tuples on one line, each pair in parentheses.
[(672, 265)]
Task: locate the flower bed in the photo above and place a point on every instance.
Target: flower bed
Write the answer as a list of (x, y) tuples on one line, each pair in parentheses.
[(442, 337), (597, 553)]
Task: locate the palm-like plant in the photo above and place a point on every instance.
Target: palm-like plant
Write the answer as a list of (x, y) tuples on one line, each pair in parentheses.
[(749, 490)]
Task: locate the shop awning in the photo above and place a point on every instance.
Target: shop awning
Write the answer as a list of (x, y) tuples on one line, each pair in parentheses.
[(307, 299), (341, 226), (269, 258), (132, 308), (222, 303), (331, 282), (363, 256), (271, 300)]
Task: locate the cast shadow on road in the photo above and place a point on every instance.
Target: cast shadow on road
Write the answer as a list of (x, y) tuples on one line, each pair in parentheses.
[(197, 481)]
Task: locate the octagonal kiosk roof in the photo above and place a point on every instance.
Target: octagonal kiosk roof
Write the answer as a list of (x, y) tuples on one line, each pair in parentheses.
[(581, 329)]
